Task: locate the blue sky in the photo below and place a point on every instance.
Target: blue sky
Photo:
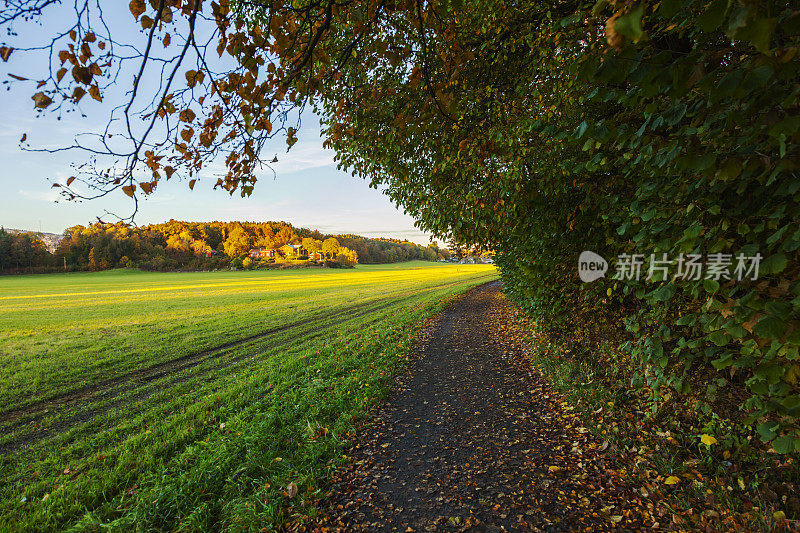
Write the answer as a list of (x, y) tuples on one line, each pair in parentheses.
[(308, 191)]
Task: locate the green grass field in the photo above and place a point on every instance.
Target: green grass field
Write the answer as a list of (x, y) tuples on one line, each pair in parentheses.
[(190, 401)]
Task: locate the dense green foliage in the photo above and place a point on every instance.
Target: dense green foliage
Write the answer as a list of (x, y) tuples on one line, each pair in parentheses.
[(542, 130), (190, 401), (196, 245)]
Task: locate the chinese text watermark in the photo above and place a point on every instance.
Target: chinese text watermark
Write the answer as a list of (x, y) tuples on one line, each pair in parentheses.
[(688, 267)]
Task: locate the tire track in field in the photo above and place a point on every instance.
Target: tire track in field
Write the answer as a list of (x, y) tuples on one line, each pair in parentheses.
[(138, 379), (86, 391), (147, 385)]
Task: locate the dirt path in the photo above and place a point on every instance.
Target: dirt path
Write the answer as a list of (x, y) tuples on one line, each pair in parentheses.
[(475, 440)]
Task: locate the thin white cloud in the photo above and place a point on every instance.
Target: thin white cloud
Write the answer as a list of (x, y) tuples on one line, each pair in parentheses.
[(303, 158), (45, 195)]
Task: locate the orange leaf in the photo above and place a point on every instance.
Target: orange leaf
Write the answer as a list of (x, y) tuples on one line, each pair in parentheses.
[(60, 73), (187, 115), (193, 77), (41, 100), (191, 184), (137, 7), (128, 189), (5, 51), (70, 180), (20, 78), (78, 93), (94, 92)]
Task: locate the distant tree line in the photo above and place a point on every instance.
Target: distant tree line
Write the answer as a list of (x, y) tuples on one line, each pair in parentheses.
[(177, 245), (20, 251), (376, 251)]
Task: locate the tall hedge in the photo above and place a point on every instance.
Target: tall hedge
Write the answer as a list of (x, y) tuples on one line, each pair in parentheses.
[(544, 129)]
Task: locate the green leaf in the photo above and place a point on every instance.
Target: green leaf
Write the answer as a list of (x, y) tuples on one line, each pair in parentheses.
[(581, 129), (723, 362), (630, 25), (767, 430), (599, 7), (669, 8), (770, 327), (771, 372), (782, 310), (711, 285), (719, 338), (712, 17), (730, 169), (773, 264), (784, 444), (759, 33)]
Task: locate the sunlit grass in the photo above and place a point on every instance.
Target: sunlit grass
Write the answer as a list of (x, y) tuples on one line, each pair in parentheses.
[(117, 390)]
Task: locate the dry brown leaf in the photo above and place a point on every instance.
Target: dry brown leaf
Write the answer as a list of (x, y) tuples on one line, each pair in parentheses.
[(82, 75), (94, 92), (41, 100), (78, 93), (137, 7), (187, 115)]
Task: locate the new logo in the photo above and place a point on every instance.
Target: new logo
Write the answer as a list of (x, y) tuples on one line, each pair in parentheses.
[(591, 266)]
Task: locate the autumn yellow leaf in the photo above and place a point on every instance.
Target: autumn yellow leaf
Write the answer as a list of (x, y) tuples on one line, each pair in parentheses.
[(708, 440), (672, 480)]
